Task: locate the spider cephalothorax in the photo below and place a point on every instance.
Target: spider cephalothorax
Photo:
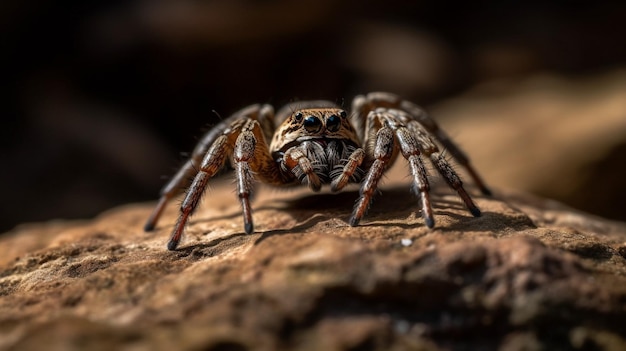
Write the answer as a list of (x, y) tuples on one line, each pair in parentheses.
[(315, 143), (312, 145)]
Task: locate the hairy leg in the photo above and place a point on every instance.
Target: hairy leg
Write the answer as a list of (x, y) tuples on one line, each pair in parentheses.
[(454, 181), (382, 154), (212, 162), (362, 104), (263, 113), (251, 143), (296, 160), (354, 161), (410, 148)]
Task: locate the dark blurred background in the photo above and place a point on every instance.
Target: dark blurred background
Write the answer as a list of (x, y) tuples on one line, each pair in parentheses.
[(102, 98)]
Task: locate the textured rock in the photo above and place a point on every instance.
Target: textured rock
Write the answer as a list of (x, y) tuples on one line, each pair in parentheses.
[(529, 274)]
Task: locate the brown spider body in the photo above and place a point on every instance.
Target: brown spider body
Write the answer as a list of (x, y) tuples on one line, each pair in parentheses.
[(312, 144), (315, 143)]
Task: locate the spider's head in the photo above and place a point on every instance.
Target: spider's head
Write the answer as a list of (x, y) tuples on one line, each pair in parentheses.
[(314, 123), (322, 135), (319, 122)]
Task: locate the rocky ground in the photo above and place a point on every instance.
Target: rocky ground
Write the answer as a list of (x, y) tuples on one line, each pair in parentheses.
[(530, 274)]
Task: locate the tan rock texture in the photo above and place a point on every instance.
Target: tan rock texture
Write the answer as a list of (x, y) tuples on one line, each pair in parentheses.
[(530, 274)]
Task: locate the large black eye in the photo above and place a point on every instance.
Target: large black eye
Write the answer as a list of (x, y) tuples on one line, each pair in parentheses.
[(312, 124), (332, 123)]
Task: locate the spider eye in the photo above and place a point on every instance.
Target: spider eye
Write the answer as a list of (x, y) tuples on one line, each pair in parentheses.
[(312, 124), (343, 114), (298, 116), (332, 123)]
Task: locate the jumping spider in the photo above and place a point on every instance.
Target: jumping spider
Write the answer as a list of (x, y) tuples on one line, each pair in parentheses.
[(315, 143)]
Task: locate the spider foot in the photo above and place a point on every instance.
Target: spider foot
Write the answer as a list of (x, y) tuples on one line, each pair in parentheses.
[(248, 228), (469, 203), (475, 211), (172, 244), (361, 208), (430, 222), (354, 221), (177, 233)]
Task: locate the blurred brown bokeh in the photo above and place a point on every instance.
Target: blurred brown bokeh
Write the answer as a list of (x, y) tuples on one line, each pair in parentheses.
[(103, 97)]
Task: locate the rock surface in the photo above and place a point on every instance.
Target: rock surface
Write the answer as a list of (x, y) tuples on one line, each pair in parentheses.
[(529, 274)]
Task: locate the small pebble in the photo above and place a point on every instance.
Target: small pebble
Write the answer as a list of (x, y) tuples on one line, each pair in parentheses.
[(406, 242)]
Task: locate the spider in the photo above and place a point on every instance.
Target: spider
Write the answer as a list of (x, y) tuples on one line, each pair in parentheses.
[(314, 143)]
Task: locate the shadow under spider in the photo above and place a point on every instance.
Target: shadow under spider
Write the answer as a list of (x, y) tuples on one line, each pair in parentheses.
[(497, 222), (298, 228), (305, 209), (343, 200), (214, 247), (398, 199)]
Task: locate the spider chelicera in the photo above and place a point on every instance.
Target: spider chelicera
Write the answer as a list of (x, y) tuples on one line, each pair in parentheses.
[(314, 143)]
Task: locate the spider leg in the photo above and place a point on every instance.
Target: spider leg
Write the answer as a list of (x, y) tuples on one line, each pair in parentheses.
[(297, 161), (430, 149), (245, 147), (459, 156), (190, 167), (172, 188), (211, 164), (243, 137), (454, 181), (362, 104), (354, 161), (383, 154), (410, 148)]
